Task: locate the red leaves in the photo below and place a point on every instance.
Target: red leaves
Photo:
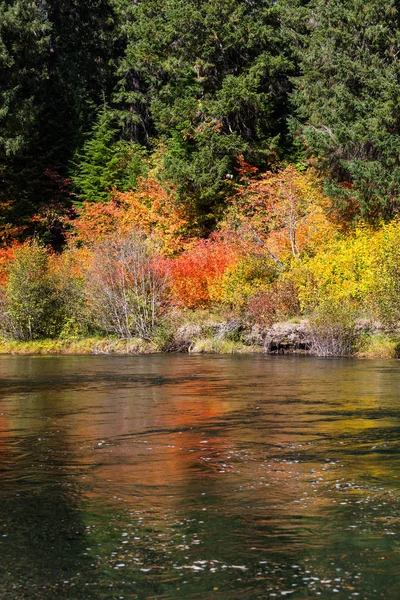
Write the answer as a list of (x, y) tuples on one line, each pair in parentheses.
[(195, 271)]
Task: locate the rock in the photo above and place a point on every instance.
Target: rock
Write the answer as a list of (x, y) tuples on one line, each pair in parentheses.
[(185, 336), (287, 337)]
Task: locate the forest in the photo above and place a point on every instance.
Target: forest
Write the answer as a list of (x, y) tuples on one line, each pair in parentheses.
[(185, 174)]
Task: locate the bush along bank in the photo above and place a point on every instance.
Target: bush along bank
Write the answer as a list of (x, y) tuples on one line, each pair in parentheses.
[(201, 332), (279, 275)]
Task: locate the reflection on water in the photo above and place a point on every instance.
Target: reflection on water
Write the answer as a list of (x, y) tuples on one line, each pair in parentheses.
[(199, 477)]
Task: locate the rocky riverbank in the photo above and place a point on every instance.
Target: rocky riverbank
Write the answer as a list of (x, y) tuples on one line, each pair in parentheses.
[(214, 334)]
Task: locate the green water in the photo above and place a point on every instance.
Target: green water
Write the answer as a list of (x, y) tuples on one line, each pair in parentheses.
[(180, 477)]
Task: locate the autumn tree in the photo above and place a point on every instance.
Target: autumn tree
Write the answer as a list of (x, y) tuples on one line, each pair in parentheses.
[(150, 208), (283, 214)]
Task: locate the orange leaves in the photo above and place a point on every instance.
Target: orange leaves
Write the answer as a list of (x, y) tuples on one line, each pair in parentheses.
[(150, 208), (286, 209), (95, 221), (7, 255), (276, 215), (195, 272)]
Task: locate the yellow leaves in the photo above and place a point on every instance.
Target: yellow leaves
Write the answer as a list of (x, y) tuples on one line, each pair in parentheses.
[(287, 210), (242, 280), (349, 270)]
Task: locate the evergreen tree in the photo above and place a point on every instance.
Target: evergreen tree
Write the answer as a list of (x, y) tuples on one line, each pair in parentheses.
[(24, 39), (55, 69), (106, 162), (348, 99), (210, 80)]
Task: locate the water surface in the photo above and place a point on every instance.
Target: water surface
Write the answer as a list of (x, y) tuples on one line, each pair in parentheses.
[(199, 477)]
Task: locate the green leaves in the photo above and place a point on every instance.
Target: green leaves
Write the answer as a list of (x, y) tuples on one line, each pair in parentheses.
[(24, 40), (348, 100), (106, 162), (210, 79), (34, 307)]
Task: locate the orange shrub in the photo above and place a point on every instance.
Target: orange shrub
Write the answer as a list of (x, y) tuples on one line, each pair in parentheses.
[(196, 271), (150, 209), (7, 255)]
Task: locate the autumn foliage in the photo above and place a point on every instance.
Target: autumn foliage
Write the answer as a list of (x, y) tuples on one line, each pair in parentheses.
[(284, 213), (276, 254), (150, 209), (195, 273)]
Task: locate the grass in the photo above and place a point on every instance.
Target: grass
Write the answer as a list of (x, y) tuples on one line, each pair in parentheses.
[(77, 346), (216, 346), (378, 345), (115, 346)]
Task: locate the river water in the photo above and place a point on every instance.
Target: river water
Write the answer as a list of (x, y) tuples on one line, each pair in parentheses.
[(199, 477)]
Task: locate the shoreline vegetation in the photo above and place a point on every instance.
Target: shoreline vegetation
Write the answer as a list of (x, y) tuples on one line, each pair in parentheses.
[(200, 176), (289, 338)]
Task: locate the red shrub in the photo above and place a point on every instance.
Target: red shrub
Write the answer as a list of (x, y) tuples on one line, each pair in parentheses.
[(195, 270), (279, 301)]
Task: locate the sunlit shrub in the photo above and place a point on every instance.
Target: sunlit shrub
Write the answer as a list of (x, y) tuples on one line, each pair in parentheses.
[(242, 280), (333, 330), (32, 306), (278, 302), (124, 290), (385, 291), (344, 272), (197, 273)]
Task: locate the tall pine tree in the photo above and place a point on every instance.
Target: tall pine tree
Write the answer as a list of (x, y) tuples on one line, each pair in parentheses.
[(55, 70), (348, 100), (209, 79)]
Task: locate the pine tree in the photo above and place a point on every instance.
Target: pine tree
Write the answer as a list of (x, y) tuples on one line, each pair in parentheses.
[(348, 100), (24, 39), (210, 80), (55, 70), (106, 162)]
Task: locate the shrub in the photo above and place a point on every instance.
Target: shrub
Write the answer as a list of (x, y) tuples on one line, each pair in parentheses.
[(278, 302), (32, 306), (385, 292), (242, 280), (343, 273), (196, 274), (333, 330), (378, 345), (125, 291)]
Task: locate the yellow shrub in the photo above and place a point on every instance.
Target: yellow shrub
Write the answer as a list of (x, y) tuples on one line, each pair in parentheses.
[(243, 280), (344, 272)]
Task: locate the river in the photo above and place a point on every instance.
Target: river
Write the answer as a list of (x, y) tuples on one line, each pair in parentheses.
[(199, 477)]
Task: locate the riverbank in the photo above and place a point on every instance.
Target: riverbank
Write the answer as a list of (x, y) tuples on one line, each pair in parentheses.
[(122, 347), (216, 336)]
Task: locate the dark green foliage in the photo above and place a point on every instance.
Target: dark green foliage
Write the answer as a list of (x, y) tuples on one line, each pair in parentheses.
[(348, 100), (24, 40), (198, 83), (54, 71), (210, 79), (106, 162)]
